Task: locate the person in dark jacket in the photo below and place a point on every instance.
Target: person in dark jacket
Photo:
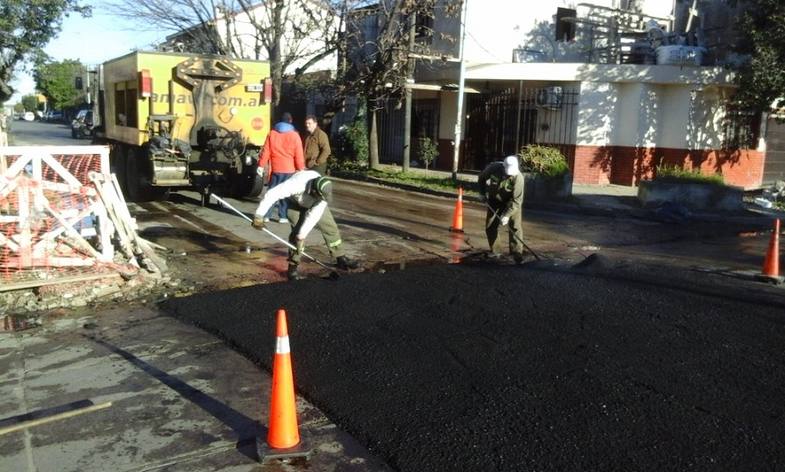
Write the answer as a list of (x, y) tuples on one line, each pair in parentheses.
[(501, 186), (317, 146)]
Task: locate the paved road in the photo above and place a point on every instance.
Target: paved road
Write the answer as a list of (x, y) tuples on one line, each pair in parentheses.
[(485, 367), (31, 133)]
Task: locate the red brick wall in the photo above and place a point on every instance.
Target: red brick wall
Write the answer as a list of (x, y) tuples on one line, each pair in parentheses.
[(591, 165), (627, 165)]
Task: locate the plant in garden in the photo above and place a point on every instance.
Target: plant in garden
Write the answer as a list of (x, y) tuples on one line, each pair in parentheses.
[(427, 151), (545, 160), (670, 173)]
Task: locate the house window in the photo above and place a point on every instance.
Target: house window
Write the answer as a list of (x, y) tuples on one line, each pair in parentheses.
[(423, 27), (565, 24)]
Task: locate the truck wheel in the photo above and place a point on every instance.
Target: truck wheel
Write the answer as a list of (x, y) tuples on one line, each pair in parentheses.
[(246, 185), (138, 179), (117, 158), (133, 177)]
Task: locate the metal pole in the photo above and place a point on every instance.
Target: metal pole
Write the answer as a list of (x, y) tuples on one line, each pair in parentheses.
[(87, 87), (518, 120), (459, 111), (407, 120), (269, 233)]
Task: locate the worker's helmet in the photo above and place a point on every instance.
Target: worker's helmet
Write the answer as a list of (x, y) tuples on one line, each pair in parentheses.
[(322, 188)]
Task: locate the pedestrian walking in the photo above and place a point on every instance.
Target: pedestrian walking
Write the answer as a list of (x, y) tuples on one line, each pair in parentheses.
[(317, 146), (501, 186), (308, 195), (283, 149)]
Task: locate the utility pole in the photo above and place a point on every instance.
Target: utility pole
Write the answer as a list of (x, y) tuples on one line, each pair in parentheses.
[(407, 120), (87, 85), (462, 74)]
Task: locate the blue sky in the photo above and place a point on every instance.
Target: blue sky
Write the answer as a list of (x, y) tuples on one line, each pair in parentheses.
[(91, 40)]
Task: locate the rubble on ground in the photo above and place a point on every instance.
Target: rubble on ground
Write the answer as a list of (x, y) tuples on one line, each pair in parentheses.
[(142, 287)]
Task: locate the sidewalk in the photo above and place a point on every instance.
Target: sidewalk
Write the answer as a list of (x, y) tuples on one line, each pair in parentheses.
[(615, 201)]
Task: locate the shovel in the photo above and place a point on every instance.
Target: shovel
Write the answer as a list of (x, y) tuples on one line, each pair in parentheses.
[(333, 274), (495, 215)]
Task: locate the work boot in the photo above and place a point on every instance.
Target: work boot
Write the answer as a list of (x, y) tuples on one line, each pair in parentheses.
[(518, 258), (344, 263), (258, 222), (292, 273)]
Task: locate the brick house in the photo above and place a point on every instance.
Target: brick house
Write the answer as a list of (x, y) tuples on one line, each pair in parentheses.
[(620, 86)]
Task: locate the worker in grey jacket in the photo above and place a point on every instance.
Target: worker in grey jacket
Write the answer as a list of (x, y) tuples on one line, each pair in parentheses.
[(308, 195), (501, 186)]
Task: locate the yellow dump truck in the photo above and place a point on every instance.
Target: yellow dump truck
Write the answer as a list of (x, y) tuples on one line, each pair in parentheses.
[(184, 120)]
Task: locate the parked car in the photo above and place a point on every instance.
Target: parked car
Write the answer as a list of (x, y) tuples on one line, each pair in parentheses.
[(82, 125), (28, 116), (55, 116)]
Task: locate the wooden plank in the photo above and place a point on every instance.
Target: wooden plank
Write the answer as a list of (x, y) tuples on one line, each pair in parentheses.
[(61, 171), (72, 232)]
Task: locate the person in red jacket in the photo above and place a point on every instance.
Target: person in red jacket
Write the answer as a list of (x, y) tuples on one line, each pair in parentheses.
[(284, 151)]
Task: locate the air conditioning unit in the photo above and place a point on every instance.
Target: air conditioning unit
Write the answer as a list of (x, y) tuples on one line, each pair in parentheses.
[(550, 97)]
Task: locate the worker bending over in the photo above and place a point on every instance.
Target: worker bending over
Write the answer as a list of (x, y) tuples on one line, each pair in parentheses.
[(308, 195), (501, 186)]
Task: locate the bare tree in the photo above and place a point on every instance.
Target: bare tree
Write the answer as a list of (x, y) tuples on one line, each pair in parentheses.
[(293, 35), (379, 50)]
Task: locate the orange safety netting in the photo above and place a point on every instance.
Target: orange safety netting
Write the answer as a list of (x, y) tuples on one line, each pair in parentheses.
[(49, 213)]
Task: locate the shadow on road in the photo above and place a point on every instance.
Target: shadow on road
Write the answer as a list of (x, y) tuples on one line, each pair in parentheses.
[(247, 430)]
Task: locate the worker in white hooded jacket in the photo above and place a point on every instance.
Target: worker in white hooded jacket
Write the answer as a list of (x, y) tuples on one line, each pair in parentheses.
[(308, 195)]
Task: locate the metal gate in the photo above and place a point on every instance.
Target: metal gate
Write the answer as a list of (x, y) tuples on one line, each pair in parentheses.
[(774, 165), (502, 122)]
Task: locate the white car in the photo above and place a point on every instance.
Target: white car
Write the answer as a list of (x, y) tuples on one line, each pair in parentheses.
[(28, 116)]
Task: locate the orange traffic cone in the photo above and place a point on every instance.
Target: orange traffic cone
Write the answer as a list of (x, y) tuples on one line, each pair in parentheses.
[(457, 216), (771, 265), (283, 434)]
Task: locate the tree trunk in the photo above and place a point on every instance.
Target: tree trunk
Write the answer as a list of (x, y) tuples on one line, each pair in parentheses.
[(373, 142)]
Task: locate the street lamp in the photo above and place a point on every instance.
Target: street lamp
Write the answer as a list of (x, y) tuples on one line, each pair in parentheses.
[(462, 74)]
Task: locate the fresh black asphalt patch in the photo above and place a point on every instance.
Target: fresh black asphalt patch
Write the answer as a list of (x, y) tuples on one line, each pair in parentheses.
[(485, 367)]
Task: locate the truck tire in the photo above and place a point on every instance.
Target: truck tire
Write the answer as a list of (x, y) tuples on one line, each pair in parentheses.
[(246, 185), (117, 158), (138, 179)]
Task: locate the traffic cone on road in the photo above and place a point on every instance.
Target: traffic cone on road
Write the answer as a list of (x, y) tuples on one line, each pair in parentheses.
[(283, 431), (283, 434), (771, 265), (457, 215)]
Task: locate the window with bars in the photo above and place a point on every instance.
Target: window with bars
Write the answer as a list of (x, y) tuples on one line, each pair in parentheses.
[(740, 128)]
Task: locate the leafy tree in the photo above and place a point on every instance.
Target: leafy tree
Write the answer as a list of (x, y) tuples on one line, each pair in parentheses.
[(761, 37), (25, 28), (30, 102), (19, 108), (56, 81)]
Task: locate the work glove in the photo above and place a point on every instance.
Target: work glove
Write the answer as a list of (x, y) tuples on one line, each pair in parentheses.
[(260, 172), (505, 220), (300, 245), (258, 222)]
